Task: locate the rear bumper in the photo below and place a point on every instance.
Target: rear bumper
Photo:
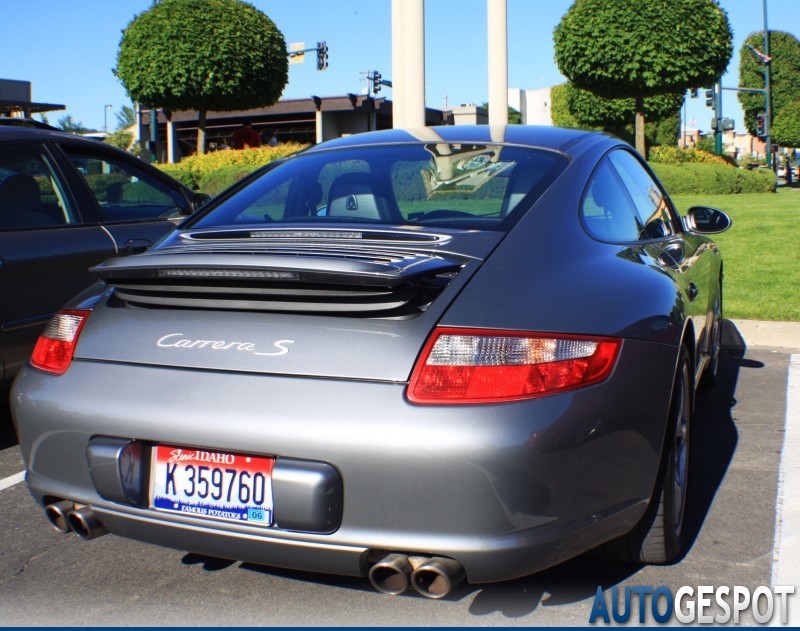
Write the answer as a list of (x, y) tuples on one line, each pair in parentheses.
[(506, 490)]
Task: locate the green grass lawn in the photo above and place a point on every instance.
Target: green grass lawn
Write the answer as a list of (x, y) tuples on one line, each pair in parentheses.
[(761, 252)]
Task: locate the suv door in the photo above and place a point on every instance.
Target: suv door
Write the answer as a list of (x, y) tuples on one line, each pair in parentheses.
[(46, 248), (135, 202)]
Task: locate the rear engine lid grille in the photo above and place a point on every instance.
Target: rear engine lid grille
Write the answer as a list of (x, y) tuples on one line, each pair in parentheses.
[(347, 283)]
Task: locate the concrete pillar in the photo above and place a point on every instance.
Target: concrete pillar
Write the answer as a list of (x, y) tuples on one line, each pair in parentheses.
[(408, 63), (170, 141), (398, 58), (496, 13), (320, 128), (414, 77)]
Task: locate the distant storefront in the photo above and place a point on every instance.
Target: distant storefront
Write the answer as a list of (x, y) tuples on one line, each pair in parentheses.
[(15, 100), (309, 120)]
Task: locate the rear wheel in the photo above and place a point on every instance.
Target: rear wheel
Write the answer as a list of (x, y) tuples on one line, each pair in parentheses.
[(658, 537)]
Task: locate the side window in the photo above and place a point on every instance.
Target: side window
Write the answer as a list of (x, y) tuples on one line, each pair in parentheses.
[(651, 204), (124, 191), (31, 196), (607, 209)]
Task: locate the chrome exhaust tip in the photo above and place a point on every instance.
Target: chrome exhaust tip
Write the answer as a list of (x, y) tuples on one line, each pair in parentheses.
[(85, 523), (58, 515), (437, 577), (391, 574)]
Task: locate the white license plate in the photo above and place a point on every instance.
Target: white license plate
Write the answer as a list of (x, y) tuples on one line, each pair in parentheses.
[(212, 484)]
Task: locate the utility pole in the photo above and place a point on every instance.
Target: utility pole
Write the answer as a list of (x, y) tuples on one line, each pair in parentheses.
[(768, 93)]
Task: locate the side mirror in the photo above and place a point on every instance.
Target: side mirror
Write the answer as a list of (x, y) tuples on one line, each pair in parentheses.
[(200, 199), (705, 220)]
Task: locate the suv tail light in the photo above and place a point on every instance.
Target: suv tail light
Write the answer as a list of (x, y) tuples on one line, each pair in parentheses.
[(55, 346), (460, 366)]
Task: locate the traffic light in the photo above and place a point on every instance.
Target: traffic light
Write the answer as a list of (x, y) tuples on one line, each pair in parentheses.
[(376, 82), (692, 93), (322, 55), (711, 98), (761, 125)]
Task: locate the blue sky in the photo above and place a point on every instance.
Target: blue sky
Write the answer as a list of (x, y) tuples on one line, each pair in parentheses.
[(68, 48)]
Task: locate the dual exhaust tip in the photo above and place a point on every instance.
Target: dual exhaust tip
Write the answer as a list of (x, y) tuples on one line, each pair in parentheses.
[(431, 577), (67, 517)]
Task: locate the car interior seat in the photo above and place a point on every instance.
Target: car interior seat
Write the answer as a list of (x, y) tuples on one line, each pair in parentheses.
[(354, 195), (21, 203)]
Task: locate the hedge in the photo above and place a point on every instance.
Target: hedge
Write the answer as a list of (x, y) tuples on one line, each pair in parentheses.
[(213, 169), (674, 155), (713, 179), (217, 181), (681, 171)]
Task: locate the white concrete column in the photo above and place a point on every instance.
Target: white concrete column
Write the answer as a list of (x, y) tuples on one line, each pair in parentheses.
[(414, 76), (496, 14), (398, 67), (320, 130), (408, 63), (170, 142)]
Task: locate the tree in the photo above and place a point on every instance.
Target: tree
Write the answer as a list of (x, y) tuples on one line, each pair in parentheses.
[(573, 107), (641, 48), (514, 116), (786, 130), (126, 118), (784, 48), (75, 127), (120, 138), (203, 54)]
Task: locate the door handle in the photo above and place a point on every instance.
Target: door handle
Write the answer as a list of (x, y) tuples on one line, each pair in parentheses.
[(692, 291)]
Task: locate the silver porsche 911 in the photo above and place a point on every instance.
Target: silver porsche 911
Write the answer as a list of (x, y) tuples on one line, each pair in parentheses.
[(461, 353)]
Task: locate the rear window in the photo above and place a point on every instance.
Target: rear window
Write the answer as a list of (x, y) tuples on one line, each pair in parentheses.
[(439, 184)]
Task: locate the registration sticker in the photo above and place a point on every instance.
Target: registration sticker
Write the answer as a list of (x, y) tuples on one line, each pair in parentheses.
[(212, 484)]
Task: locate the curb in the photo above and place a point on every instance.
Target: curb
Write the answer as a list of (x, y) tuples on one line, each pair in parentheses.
[(784, 336)]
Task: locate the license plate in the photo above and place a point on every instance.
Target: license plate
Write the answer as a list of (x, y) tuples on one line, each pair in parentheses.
[(212, 484)]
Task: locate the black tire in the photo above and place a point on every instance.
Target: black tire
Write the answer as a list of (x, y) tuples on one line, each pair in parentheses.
[(659, 537), (709, 378)]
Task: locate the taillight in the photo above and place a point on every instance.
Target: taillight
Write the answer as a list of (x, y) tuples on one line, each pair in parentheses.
[(55, 346), (460, 366)]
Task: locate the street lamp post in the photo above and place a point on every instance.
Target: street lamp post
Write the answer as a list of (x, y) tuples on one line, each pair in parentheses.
[(105, 119), (768, 95)]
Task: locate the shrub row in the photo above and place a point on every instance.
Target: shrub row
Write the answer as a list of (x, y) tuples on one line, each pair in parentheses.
[(676, 155), (207, 173), (713, 179), (682, 171)]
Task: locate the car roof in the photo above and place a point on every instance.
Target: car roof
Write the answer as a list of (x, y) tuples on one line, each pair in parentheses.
[(14, 132), (557, 138)]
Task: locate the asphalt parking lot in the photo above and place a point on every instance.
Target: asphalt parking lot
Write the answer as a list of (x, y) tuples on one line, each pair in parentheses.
[(52, 579)]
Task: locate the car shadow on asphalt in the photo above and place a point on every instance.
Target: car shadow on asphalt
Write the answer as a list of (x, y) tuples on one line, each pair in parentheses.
[(8, 437)]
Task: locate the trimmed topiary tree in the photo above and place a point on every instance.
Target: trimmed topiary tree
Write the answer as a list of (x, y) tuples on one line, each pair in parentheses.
[(642, 48), (573, 107), (203, 55), (784, 48), (786, 130)]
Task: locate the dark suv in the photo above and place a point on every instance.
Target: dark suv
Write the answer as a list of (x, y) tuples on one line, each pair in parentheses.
[(68, 203)]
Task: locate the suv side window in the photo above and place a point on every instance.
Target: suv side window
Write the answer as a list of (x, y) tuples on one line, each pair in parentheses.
[(651, 204), (607, 210), (30, 194), (123, 191)]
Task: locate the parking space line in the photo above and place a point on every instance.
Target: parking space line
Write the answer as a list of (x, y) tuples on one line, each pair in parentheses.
[(786, 556), (10, 481)]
